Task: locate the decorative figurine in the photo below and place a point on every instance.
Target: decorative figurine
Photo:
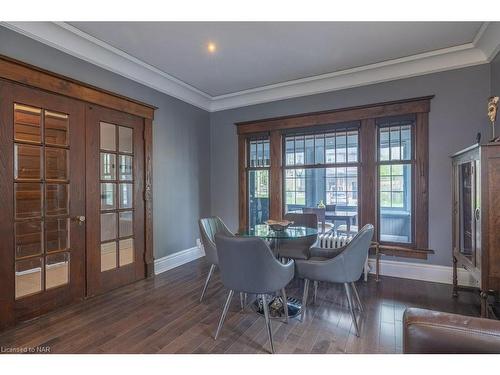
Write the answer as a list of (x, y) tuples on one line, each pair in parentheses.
[(492, 114), (321, 204)]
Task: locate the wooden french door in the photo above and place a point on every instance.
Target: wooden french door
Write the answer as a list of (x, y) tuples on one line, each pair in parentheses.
[(115, 199), (42, 202)]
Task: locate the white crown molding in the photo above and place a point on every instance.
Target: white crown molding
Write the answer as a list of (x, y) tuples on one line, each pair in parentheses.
[(74, 42), (489, 41), (436, 61), (79, 44)]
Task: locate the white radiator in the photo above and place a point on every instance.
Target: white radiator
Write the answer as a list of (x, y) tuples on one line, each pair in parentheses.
[(332, 241)]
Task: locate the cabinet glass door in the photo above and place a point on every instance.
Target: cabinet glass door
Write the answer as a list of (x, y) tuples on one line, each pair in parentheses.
[(466, 209)]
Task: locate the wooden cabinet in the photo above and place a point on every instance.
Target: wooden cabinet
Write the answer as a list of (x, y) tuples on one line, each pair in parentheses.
[(476, 217)]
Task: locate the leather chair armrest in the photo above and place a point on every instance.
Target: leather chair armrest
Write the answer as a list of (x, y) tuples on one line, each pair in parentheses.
[(428, 332)]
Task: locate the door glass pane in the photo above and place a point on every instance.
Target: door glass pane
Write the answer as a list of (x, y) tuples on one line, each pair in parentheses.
[(108, 256), (108, 136), (125, 139), (56, 128), (28, 200), (27, 162), (56, 164), (108, 226), (126, 195), (108, 196), (27, 121), (28, 238), (57, 196), (40, 231), (28, 277), (56, 270), (56, 234), (108, 166), (126, 224), (125, 169), (126, 251)]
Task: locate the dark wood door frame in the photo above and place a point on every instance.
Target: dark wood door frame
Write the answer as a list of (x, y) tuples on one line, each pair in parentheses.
[(27, 75), (32, 76), (366, 115)]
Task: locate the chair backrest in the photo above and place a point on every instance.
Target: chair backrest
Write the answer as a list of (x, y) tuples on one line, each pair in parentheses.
[(247, 265), (209, 227), (331, 207), (355, 253), (309, 220), (320, 213)]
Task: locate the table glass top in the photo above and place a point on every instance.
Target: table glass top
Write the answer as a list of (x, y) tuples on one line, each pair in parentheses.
[(263, 231)]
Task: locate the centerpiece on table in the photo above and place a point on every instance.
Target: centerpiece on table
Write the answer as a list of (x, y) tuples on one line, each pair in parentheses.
[(278, 225)]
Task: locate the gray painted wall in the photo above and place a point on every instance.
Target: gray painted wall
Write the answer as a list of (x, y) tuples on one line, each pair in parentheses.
[(495, 76), (181, 147), (187, 152), (457, 114)]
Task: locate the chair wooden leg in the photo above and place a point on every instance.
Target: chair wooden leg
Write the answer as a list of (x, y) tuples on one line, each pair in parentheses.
[(265, 306), (351, 307), (224, 313), (212, 268), (304, 299)]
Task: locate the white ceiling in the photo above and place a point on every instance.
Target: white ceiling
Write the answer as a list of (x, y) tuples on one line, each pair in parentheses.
[(266, 61), (255, 54)]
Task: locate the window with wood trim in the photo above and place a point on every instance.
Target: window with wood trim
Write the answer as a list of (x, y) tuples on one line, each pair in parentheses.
[(369, 161), (258, 166), (322, 168), (395, 182)]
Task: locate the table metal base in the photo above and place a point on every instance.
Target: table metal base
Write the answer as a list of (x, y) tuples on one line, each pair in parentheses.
[(276, 310)]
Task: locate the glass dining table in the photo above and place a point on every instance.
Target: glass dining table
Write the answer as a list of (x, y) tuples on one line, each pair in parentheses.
[(265, 232)]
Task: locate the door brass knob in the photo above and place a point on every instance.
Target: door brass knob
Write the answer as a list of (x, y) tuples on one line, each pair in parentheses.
[(79, 219)]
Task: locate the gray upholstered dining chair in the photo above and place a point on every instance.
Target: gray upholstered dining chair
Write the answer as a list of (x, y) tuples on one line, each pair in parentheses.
[(345, 268), (209, 227), (247, 265), (298, 248)]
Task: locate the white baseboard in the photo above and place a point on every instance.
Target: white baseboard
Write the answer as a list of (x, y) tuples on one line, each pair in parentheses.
[(422, 271), (178, 259), (405, 270)]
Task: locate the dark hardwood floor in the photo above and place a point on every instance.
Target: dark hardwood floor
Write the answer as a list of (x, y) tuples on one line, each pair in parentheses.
[(163, 315)]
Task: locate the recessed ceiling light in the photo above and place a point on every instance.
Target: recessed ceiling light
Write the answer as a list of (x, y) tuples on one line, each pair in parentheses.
[(211, 47)]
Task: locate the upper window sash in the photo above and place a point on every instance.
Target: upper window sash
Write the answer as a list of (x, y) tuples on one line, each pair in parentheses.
[(322, 149), (259, 154), (395, 139)]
